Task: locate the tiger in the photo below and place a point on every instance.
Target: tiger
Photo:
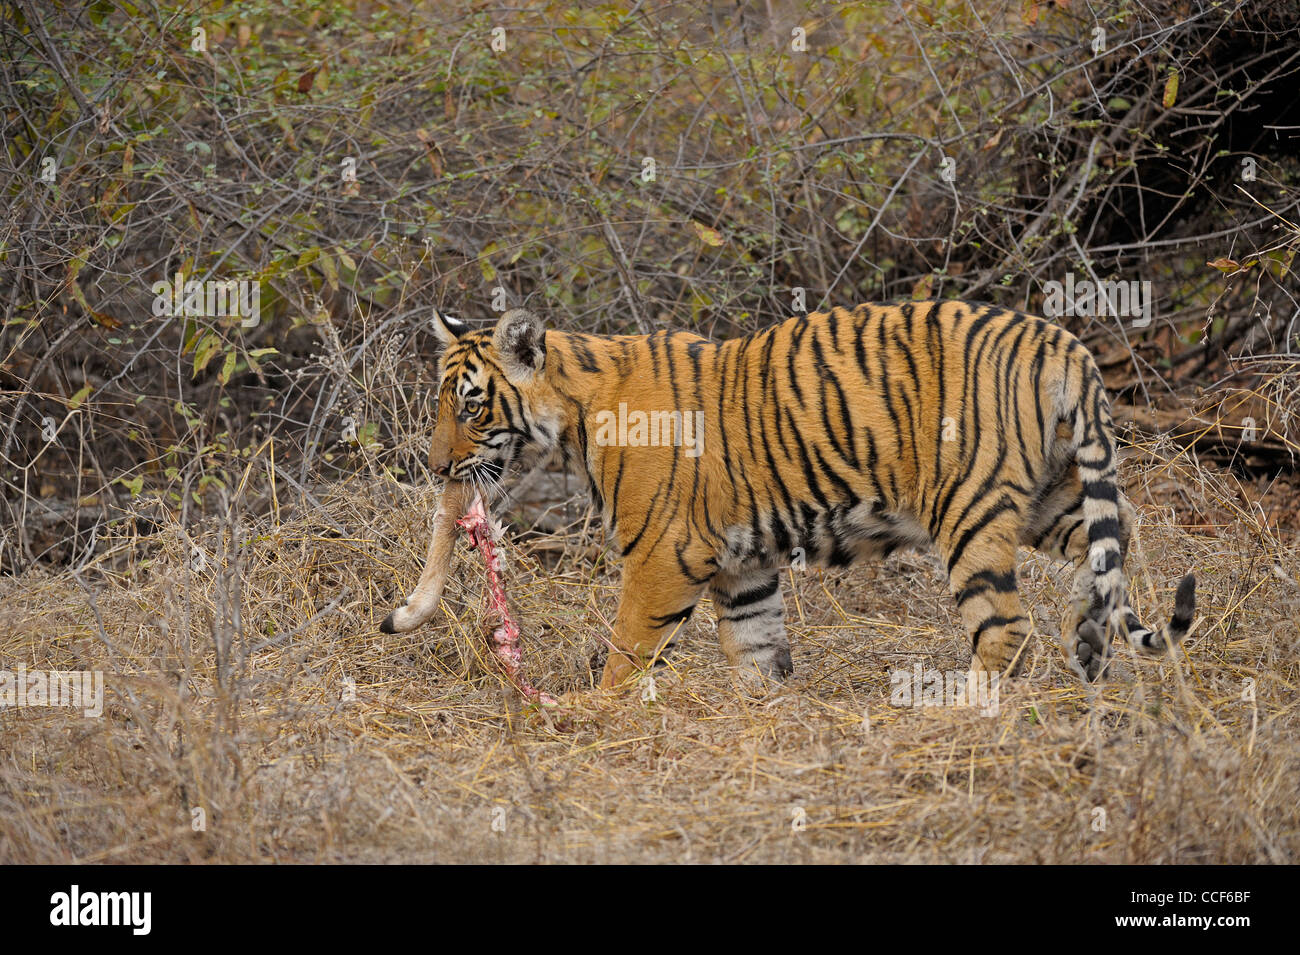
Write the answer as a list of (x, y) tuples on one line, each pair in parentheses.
[(830, 437)]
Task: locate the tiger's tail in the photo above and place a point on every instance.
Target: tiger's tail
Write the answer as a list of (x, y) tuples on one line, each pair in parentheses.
[(1101, 584)]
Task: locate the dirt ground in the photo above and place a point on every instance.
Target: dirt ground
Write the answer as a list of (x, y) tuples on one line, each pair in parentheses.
[(253, 713)]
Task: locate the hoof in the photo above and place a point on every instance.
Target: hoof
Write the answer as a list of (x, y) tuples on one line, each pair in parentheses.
[(387, 625)]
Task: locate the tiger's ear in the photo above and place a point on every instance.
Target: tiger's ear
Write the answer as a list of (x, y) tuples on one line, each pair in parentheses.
[(447, 327), (520, 340)]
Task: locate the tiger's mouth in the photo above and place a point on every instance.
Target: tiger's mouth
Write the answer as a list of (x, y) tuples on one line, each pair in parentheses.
[(475, 468), (498, 465), (478, 467)]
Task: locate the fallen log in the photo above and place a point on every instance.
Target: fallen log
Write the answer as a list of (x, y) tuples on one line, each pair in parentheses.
[(1226, 437)]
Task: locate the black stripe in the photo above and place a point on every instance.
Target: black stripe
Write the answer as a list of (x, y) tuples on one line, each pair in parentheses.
[(741, 617), (986, 580), (678, 617), (753, 595)]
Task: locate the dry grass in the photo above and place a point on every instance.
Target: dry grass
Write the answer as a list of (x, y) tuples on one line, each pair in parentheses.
[(226, 683)]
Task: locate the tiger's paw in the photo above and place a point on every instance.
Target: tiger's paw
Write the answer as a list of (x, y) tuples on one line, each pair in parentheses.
[(762, 679), (1087, 651)]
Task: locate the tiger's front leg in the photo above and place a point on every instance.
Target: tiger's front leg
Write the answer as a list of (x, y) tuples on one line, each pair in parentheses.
[(656, 602)]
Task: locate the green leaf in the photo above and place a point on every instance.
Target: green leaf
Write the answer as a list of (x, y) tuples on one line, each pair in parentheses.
[(708, 236), (204, 353), (485, 263), (1171, 90), (228, 367), (331, 271), (75, 401)]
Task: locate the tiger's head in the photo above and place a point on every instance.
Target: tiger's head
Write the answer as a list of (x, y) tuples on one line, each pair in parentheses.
[(495, 409)]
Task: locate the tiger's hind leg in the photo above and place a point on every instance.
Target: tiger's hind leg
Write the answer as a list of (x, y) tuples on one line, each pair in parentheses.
[(981, 557), (1056, 528), (751, 625)]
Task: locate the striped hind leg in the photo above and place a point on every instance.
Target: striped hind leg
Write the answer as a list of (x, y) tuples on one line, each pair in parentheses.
[(982, 574), (1056, 528), (751, 625)]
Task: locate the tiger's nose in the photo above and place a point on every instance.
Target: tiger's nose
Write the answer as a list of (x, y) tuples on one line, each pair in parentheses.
[(442, 470)]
